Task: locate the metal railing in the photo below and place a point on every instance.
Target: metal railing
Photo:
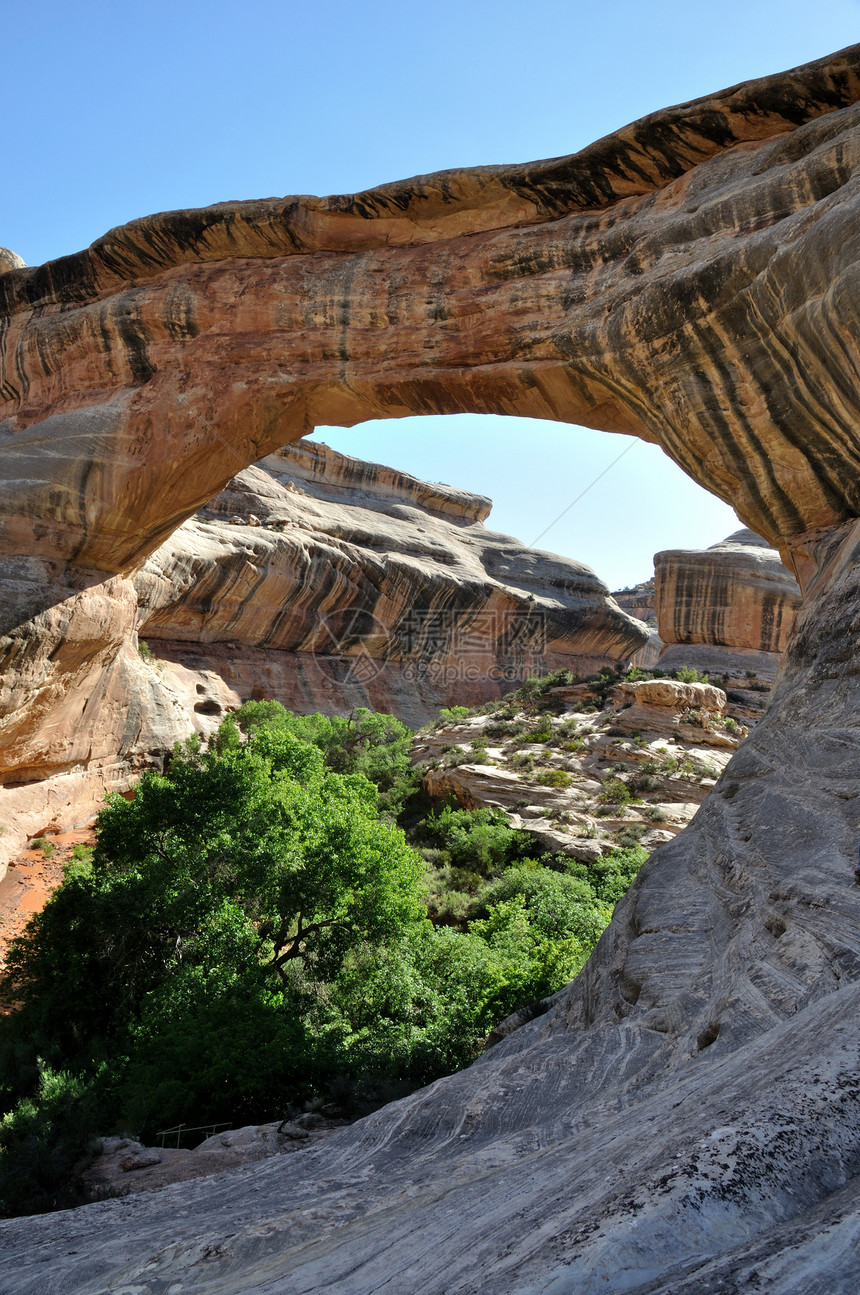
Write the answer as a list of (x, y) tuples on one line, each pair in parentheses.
[(181, 1129)]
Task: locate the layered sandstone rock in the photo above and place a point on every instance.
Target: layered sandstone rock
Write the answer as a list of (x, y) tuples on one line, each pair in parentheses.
[(736, 599), (648, 284), (317, 579), (80, 711), (328, 583), (638, 600), (10, 260), (684, 1117)]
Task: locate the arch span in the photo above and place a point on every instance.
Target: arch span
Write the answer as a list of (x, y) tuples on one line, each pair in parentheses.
[(690, 279)]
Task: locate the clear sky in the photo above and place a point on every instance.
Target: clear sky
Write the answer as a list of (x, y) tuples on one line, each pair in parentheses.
[(116, 110)]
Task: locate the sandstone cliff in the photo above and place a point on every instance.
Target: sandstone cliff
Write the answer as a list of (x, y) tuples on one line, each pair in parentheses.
[(638, 600), (314, 578), (735, 600), (684, 1117), (328, 583)]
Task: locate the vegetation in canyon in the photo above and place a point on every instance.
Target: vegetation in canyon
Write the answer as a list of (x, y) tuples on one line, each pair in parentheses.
[(281, 919)]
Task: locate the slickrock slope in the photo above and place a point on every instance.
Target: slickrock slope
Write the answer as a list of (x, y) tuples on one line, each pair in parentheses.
[(585, 781), (685, 1117), (328, 583), (735, 598)]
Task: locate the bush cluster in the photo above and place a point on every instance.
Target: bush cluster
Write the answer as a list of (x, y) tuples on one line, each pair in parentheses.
[(277, 921)]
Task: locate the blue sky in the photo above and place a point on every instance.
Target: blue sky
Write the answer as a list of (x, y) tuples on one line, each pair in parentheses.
[(117, 110)]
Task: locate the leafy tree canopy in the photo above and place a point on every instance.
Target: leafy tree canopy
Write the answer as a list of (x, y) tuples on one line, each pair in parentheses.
[(252, 935), (246, 856)]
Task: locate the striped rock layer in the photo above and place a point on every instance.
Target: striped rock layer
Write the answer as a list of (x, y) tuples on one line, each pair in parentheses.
[(684, 1117), (328, 583), (731, 605)]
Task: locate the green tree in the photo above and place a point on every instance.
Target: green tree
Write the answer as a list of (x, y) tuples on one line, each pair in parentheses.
[(225, 871), (248, 935), (375, 745)]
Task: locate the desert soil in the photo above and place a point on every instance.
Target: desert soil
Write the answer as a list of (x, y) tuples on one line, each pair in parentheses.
[(31, 879)]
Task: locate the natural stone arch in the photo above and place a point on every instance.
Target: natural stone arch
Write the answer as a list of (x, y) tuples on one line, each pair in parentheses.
[(689, 279), (708, 1052)]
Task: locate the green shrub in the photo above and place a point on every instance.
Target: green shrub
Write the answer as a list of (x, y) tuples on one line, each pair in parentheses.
[(81, 856), (374, 745), (453, 715), (44, 1139), (42, 843), (645, 782), (687, 674), (611, 875), (554, 778), (477, 840), (504, 728), (615, 792)]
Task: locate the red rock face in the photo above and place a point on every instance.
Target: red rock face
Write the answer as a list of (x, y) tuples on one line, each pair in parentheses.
[(735, 599)]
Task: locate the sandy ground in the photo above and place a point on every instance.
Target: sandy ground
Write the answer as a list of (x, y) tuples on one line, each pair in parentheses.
[(30, 880)]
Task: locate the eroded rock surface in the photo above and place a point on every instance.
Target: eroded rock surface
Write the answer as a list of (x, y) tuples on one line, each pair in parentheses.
[(736, 598), (125, 1167), (685, 1116), (328, 583)]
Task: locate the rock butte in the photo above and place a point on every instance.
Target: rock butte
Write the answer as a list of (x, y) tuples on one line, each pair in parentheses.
[(684, 1118), (729, 607)]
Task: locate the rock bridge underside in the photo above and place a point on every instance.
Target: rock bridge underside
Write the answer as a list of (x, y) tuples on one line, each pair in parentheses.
[(686, 1116)]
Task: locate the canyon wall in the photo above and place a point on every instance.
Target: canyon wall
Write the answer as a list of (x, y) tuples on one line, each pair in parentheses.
[(316, 579), (684, 1117), (329, 583), (728, 608)]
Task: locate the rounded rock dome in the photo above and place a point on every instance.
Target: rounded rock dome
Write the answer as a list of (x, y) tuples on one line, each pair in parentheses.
[(10, 260)]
